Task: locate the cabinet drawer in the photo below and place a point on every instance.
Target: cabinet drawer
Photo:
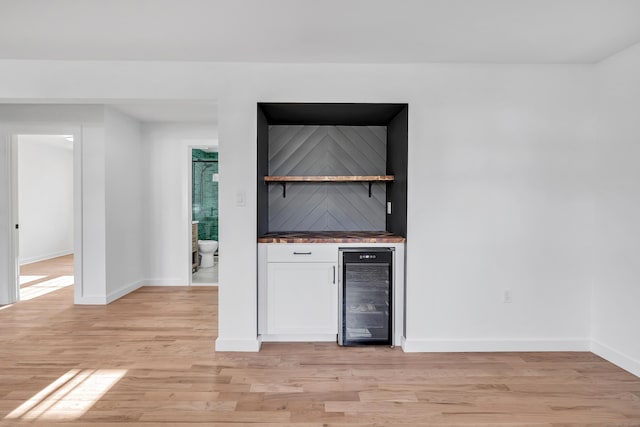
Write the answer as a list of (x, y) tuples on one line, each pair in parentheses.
[(298, 252)]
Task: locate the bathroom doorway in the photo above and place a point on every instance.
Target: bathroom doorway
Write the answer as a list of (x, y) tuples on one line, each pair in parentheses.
[(204, 215)]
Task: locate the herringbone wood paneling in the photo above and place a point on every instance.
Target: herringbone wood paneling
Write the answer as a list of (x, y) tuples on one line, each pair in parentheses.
[(327, 150)]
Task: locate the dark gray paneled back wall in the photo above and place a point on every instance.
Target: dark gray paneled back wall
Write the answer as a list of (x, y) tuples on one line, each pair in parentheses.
[(263, 170), (327, 150)]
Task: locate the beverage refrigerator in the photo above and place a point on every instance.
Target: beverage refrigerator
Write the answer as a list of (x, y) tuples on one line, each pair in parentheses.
[(365, 296)]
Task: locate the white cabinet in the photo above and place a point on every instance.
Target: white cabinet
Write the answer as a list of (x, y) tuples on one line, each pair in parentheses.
[(302, 298), (298, 290)]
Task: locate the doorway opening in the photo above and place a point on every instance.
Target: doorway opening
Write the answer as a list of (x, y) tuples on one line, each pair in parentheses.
[(204, 215), (45, 213)]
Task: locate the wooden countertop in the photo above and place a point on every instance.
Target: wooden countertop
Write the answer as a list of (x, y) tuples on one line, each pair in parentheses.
[(331, 237)]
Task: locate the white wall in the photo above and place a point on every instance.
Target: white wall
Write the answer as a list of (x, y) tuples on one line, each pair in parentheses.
[(8, 260), (125, 200), (45, 189), (111, 230), (168, 226), (94, 233), (498, 176), (499, 195), (616, 291), (86, 122), (498, 198)]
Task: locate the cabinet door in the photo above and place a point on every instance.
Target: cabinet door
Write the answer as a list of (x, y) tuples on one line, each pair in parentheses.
[(302, 298)]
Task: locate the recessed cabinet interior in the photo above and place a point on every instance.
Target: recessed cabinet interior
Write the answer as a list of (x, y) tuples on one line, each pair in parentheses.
[(332, 167)]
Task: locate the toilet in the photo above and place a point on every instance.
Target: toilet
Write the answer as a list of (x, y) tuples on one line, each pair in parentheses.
[(206, 249)]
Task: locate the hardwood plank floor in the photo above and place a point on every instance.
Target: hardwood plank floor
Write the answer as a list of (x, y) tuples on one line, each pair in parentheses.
[(41, 278), (148, 359), (48, 269)]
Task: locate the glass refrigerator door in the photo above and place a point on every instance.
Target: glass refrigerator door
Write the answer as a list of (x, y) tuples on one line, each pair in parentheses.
[(366, 303)]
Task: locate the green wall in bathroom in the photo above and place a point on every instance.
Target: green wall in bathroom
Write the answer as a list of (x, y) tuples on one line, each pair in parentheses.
[(205, 193)]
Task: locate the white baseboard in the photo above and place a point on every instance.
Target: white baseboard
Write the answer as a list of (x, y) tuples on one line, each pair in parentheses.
[(45, 257), (166, 282), (90, 300), (107, 299), (432, 345), (299, 338), (619, 359), (238, 345), (127, 289), (174, 282)]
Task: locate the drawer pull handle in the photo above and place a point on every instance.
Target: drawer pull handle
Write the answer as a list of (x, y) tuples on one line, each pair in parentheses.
[(302, 253)]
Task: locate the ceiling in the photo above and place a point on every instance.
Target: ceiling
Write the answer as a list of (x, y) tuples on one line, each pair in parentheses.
[(333, 31)]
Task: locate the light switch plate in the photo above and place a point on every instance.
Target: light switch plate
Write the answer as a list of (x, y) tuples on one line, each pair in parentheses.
[(507, 297), (240, 198)]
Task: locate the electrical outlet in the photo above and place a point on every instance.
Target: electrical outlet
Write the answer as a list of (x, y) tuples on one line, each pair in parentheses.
[(388, 208), (506, 296)]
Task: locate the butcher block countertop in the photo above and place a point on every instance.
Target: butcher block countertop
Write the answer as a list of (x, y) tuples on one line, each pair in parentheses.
[(331, 237)]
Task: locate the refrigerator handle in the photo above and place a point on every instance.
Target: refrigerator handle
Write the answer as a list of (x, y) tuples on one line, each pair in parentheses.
[(334, 274), (340, 302)]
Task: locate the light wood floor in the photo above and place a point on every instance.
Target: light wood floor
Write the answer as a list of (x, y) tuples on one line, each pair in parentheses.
[(148, 359), (49, 269)]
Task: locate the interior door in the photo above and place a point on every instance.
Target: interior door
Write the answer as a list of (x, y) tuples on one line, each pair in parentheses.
[(9, 286)]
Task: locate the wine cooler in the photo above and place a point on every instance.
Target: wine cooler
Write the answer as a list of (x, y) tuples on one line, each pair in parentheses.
[(365, 296)]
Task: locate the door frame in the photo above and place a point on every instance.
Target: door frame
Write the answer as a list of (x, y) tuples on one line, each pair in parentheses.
[(13, 132), (200, 145)]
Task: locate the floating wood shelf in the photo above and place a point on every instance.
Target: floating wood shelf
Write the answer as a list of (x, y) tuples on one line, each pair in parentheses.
[(326, 178)]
